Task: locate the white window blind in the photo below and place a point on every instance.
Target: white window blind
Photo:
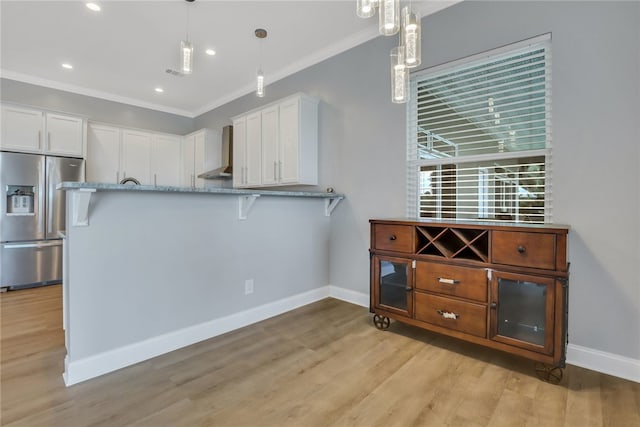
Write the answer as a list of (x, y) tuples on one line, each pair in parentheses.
[(479, 137)]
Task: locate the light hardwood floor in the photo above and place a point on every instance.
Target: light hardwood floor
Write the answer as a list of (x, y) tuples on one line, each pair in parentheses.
[(321, 365)]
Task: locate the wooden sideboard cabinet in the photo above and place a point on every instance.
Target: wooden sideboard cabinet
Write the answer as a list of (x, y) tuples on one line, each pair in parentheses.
[(503, 286)]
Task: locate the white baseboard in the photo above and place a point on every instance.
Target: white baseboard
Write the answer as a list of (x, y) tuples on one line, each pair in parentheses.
[(100, 364), (348, 295), (81, 370), (606, 363)]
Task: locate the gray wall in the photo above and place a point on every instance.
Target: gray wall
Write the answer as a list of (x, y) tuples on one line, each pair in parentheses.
[(93, 108), (595, 139), (154, 263)]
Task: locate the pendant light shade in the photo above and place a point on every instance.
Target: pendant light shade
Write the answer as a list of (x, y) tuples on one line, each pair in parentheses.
[(389, 22), (186, 48), (399, 76), (411, 38), (261, 34), (186, 57), (366, 8), (260, 84)]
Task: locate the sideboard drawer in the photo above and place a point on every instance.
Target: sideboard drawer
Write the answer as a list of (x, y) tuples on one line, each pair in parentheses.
[(463, 282), (535, 250), (398, 238), (452, 314)]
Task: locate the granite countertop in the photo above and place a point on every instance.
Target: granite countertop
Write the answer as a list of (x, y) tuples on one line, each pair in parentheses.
[(97, 186)]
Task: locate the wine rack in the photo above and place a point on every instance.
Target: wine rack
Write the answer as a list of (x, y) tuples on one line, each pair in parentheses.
[(453, 243)]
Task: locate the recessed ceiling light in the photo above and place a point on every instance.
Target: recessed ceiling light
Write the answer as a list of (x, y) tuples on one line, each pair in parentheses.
[(159, 90), (210, 52), (94, 6), (67, 66)]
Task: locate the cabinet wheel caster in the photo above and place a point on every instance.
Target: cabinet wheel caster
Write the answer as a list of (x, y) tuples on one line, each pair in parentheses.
[(381, 322), (548, 373)]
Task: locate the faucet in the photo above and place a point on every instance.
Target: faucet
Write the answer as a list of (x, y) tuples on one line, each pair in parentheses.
[(130, 179)]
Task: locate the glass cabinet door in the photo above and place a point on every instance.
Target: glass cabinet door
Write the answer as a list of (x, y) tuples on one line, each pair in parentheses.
[(393, 285), (522, 311)]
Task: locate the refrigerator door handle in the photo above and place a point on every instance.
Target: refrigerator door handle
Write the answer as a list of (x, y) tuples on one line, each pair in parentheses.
[(41, 209), (50, 194), (31, 245)]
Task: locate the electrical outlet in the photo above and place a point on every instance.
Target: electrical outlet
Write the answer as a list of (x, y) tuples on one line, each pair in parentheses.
[(248, 286)]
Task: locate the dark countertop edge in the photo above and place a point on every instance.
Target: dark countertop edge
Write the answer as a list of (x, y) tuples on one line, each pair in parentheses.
[(210, 190)]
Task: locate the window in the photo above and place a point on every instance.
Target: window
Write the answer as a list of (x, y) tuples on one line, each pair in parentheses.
[(479, 137)]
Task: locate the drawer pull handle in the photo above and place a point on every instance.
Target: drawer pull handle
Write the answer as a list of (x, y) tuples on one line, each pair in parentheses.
[(448, 281), (448, 315), (392, 237), (522, 249), (493, 306)]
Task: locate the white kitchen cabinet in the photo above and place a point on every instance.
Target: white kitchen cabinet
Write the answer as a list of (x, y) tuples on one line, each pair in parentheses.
[(270, 146), (34, 131), (298, 138), (103, 154), (239, 150), (136, 156), (165, 159), (247, 150), (21, 129), (65, 135), (277, 144), (253, 156), (115, 153), (201, 152)]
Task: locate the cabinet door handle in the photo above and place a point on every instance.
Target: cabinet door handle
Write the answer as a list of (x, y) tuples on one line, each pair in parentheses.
[(448, 281), (39, 139), (275, 173), (155, 179), (392, 237), (448, 314), (493, 306), (522, 249), (279, 171), (48, 141), (408, 288)]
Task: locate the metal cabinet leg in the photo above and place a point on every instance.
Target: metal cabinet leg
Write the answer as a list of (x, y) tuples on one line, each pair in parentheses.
[(549, 373), (381, 322)]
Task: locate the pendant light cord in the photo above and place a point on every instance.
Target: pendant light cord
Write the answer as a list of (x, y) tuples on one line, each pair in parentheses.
[(187, 29)]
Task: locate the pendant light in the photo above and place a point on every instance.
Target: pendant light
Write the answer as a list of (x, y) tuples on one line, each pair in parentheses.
[(410, 37), (389, 18), (399, 76), (260, 34), (186, 50), (366, 8)]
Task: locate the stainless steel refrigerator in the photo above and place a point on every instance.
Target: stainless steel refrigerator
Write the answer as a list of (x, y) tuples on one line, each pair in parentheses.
[(32, 216)]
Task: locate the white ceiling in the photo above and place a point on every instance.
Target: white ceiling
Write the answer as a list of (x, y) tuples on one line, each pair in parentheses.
[(122, 52)]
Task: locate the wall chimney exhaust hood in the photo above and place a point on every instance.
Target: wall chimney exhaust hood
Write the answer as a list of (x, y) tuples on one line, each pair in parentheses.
[(225, 171)]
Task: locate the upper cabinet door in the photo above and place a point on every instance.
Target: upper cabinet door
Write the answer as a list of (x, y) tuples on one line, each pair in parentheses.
[(65, 135), (199, 157), (239, 151), (253, 171), (103, 154), (136, 156), (188, 165), (21, 129), (290, 141), (270, 146), (165, 155)]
